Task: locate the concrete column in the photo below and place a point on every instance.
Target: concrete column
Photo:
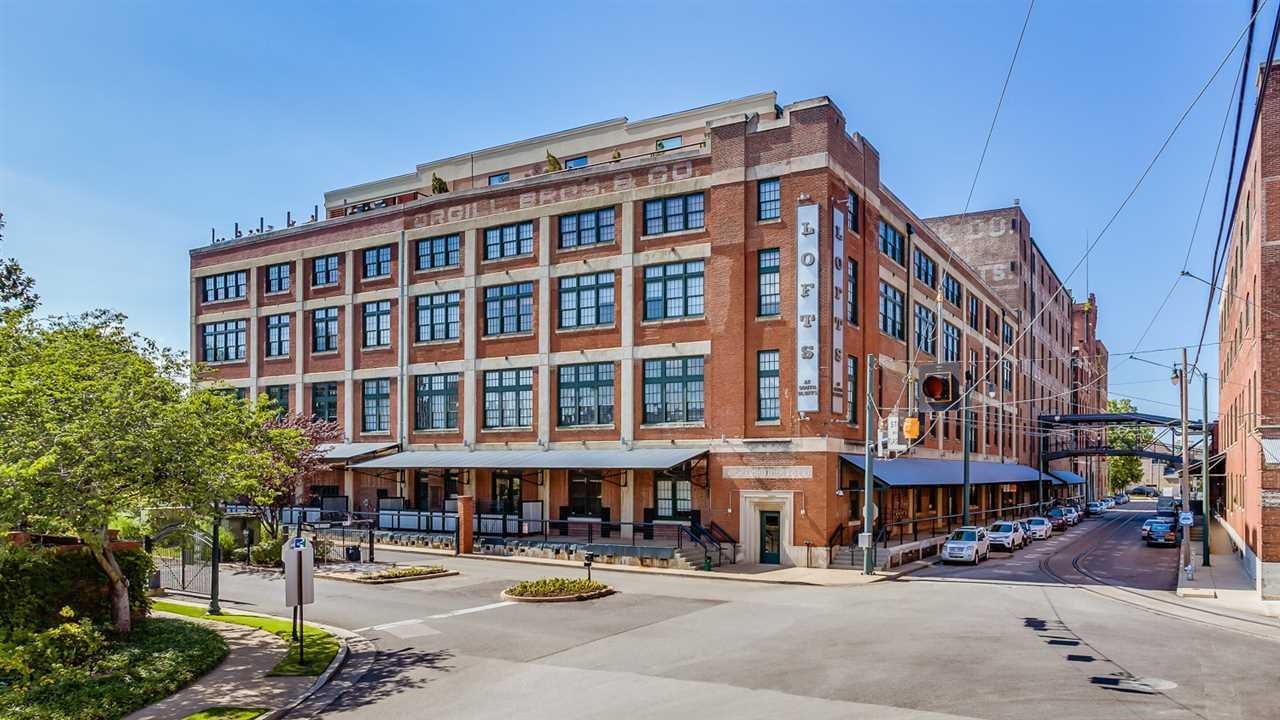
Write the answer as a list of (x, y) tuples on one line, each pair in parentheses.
[(349, 488), (348, 350), (251, 341), (404, 393), (626, 300), (297, 335), (472, 316), (627, 512), (545, 312)]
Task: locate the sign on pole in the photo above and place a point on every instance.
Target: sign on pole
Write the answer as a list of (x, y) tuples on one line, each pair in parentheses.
[(1186, 518), (299, 572)]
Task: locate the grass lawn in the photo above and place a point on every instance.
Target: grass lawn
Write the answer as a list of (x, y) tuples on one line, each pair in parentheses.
[(320, 645), (160, 656), (226, 713)]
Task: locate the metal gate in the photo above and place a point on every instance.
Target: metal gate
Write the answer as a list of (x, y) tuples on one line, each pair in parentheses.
[(184, 558)]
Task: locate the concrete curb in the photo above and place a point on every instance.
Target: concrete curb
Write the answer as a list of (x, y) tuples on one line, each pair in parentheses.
[(390, 581), (564, 598)]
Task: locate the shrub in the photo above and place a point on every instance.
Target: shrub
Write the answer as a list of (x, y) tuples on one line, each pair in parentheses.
[(555, 587), (267, 552), (36, 582), (404, 572), (59, 653)]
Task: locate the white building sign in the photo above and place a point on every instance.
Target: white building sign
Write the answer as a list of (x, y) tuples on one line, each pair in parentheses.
[(807, 343), (837, 312)]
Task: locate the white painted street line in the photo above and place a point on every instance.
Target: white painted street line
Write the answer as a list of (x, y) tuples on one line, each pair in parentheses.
[(466, 611), (384, 626)]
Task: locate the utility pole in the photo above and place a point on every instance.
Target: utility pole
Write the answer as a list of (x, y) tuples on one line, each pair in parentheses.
[(1204, 470), (872, 421), (1186, 459), (966, 428)]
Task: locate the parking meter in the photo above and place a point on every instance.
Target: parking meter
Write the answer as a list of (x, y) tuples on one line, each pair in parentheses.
[(587, 559)]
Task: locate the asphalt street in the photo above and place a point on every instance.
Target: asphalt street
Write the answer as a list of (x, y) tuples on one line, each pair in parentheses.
[(1080, 626)]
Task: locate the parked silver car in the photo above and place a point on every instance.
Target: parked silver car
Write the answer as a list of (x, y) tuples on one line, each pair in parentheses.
[(968, 544), (1041, 528), (1007, 535)]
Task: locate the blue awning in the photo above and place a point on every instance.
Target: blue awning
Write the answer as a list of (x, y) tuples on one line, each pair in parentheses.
[(928, 472), (1066, 477)]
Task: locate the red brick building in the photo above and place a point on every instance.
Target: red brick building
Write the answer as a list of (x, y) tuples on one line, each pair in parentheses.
[(659, 321)]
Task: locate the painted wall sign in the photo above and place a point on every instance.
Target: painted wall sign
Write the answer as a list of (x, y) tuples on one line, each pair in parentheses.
[(837, 312), (807, 341)]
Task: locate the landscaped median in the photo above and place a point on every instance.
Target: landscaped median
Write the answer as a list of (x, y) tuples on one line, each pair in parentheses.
[(321, 647), (393, 574), (556, 590)]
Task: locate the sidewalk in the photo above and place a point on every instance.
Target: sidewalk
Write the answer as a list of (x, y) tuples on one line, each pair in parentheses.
[(1224, 585), (239, 681)]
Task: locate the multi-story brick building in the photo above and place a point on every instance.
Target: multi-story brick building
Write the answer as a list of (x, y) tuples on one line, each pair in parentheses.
[(659, 321), (1249, 407), (1089, 359)]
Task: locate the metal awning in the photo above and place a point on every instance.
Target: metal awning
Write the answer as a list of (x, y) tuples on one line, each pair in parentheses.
[(1066, 477), (928, 472), (344, 452), (638, 459)]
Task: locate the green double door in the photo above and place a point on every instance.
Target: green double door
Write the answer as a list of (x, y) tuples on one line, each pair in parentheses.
[(770, 537)]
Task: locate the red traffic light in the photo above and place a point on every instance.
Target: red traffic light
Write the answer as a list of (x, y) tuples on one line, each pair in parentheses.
[(938, 388)]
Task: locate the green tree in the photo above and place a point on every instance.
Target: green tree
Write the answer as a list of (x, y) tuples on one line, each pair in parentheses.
[(1126, 471)]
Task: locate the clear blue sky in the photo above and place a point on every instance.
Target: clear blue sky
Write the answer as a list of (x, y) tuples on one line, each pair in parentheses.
[(127, 130)]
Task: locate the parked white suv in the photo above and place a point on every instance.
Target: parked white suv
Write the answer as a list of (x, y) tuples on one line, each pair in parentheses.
[(968, 544), (1040, 528), (1007, 535)]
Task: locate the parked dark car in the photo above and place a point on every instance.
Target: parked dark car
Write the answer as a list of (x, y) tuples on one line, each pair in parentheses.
[(1163, 533), (1058, 519)]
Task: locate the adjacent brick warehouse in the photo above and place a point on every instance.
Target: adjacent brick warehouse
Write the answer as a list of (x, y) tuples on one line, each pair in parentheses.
[(1249, 370), (647, 295)]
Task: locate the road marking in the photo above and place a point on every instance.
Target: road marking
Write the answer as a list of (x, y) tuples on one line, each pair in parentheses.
[(468, 611), (385, 626)]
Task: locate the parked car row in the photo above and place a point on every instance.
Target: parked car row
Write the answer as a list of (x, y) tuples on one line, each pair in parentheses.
[(973, 544), (1161, 530)]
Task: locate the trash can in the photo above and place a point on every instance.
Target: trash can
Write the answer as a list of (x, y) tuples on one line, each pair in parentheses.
[(353, 553)]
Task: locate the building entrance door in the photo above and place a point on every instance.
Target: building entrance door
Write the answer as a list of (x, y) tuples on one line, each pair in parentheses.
[(770, 537)]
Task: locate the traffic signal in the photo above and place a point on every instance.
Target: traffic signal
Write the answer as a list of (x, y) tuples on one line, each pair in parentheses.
[(939, 386)]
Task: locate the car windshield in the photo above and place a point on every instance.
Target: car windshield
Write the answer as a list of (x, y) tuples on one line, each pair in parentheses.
[(1002, 527), (1037, 521), (968, 535), (1055, 513)]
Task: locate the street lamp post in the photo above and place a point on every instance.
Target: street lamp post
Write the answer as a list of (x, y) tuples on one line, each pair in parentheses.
[(1180, 377), (868, 459), (1204, 470)]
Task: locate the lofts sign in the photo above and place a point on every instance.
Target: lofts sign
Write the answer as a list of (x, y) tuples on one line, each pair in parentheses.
[(837, 312), (807, 342)]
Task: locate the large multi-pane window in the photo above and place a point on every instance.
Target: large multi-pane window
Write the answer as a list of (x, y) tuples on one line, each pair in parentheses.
[(277, 335), (586, 300), (673, 214), (768, 398), (1006, 374), (891, 243), (1006, 333), (951, 289), (324, 330), (769, 195), (926, 269), (377, 324), (377, 262), (851, 385), (278, 395), (324, 270), (926, 330), (508, 241), (436, 402), (975, 312), (227, 286), (595, 227), (950, 342), (439, 316), (223, 341), (768, 273), (508, 308), (891, 311), (853, 219), (586, 394), (508, 398), (439, 252), (324, 401), (278, 279), (376, 395), (673, 496), (851, 290), (584, 493), (673, 290), (673, 390)]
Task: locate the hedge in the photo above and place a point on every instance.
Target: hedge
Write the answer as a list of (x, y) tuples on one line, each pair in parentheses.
[(36, 583)]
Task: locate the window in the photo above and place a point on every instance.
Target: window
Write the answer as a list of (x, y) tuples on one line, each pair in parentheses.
[(673, 214), (223, 341), (769, 195), (324, 330), (851, 290), (891, 311), (853, 218), (439, 252), (586, 394), (951, 289), (926, 330), (277, 336), (926, 269), (377, 324), (324, 271), (673, 390), (975, 312), (673, 290), (505, 487), (575, 163), (891, 243), (439, 316), (674, 495), (227, 286), (1006, 333), (377, 262), (377, 406), (589, 228), (499, 178), (768, 267), (768, 400), (436, 402), (586, 300), (670, 143), (508, 309), (508, 398), (278, 277), (584, 493), (508, 241), (950, 342), (1006, 374), (851, 383), (278, 395), (324, 401)]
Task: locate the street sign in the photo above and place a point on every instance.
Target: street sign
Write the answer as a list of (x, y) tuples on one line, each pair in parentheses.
[(299, 572), (1186, 518)]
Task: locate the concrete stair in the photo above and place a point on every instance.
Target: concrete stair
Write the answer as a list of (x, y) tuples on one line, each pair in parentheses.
[(684, 559)]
